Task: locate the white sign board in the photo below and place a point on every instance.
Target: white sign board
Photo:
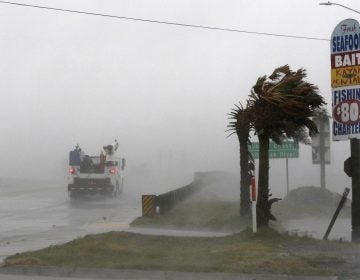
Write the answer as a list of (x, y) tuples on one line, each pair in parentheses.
[(345, 80), (315, 141)]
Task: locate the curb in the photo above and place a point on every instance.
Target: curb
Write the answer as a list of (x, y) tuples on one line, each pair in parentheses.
[(146, 274)]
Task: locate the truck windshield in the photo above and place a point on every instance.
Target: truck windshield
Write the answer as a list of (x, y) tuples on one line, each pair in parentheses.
[(90, 165), (95, 160)]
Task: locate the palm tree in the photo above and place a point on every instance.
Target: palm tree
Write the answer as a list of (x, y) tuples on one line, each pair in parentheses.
[(241, 123), (282, 105)]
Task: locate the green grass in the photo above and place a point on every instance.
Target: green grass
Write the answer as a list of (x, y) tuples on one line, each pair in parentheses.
[(198, 214), (265, 252)]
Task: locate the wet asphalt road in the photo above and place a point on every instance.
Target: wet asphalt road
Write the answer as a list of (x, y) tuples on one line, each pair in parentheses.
[(39, 215)]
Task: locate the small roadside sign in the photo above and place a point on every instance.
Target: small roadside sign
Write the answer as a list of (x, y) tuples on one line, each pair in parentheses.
[(316, 142), (288, 149)]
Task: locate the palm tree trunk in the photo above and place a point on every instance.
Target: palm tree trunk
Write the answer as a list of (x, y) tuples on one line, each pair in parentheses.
[(263, 206), (245, 208)]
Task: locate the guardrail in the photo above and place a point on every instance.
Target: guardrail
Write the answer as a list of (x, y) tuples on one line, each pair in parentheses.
[(163, 203)]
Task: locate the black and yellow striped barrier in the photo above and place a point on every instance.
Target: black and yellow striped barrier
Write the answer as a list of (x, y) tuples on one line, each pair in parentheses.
[(148, 205)]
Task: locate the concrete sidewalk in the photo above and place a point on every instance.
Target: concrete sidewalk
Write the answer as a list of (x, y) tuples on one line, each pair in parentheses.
[(176, 232)]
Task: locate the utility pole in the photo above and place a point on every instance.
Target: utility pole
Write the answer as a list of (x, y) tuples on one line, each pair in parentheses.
[(351, 168), (355, 184)]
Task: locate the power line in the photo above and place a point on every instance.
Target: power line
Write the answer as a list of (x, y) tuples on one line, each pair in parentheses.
[(166, 22)]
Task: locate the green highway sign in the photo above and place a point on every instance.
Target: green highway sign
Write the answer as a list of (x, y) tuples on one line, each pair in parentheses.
[(288, 149)]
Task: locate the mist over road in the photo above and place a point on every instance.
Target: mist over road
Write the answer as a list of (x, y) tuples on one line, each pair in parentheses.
[(36, 215)]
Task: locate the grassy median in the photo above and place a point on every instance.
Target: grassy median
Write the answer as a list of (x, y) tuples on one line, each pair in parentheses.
[(265, 252), (212, 215)]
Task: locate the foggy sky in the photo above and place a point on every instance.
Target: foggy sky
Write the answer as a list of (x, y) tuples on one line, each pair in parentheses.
[(163, 91)]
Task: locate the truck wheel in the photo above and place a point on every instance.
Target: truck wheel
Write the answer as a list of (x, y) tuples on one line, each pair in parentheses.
[(121, 185), (71, 192), (110, 191), (72, 195), (117, 189)]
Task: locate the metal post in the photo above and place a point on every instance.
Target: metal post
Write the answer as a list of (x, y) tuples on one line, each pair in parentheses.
[(253, 203), (341, 204), (253, 213), (287, 176), (322, 151), (355, 184)]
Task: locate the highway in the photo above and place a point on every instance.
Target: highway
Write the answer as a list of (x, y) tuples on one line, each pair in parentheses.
[(36, 215)]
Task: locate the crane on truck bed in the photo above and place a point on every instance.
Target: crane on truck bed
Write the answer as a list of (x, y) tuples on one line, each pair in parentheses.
[(101, 174)]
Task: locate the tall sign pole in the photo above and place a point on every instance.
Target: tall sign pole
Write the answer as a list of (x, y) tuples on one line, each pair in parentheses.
[(345, 84), (322, 156), (321, 144), (287, 176)]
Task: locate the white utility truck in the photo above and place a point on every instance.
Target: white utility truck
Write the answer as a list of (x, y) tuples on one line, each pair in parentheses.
[(103, 174)]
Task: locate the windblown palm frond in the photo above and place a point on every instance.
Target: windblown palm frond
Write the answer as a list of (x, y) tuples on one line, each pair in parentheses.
[(240, 119), (289, 100)]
